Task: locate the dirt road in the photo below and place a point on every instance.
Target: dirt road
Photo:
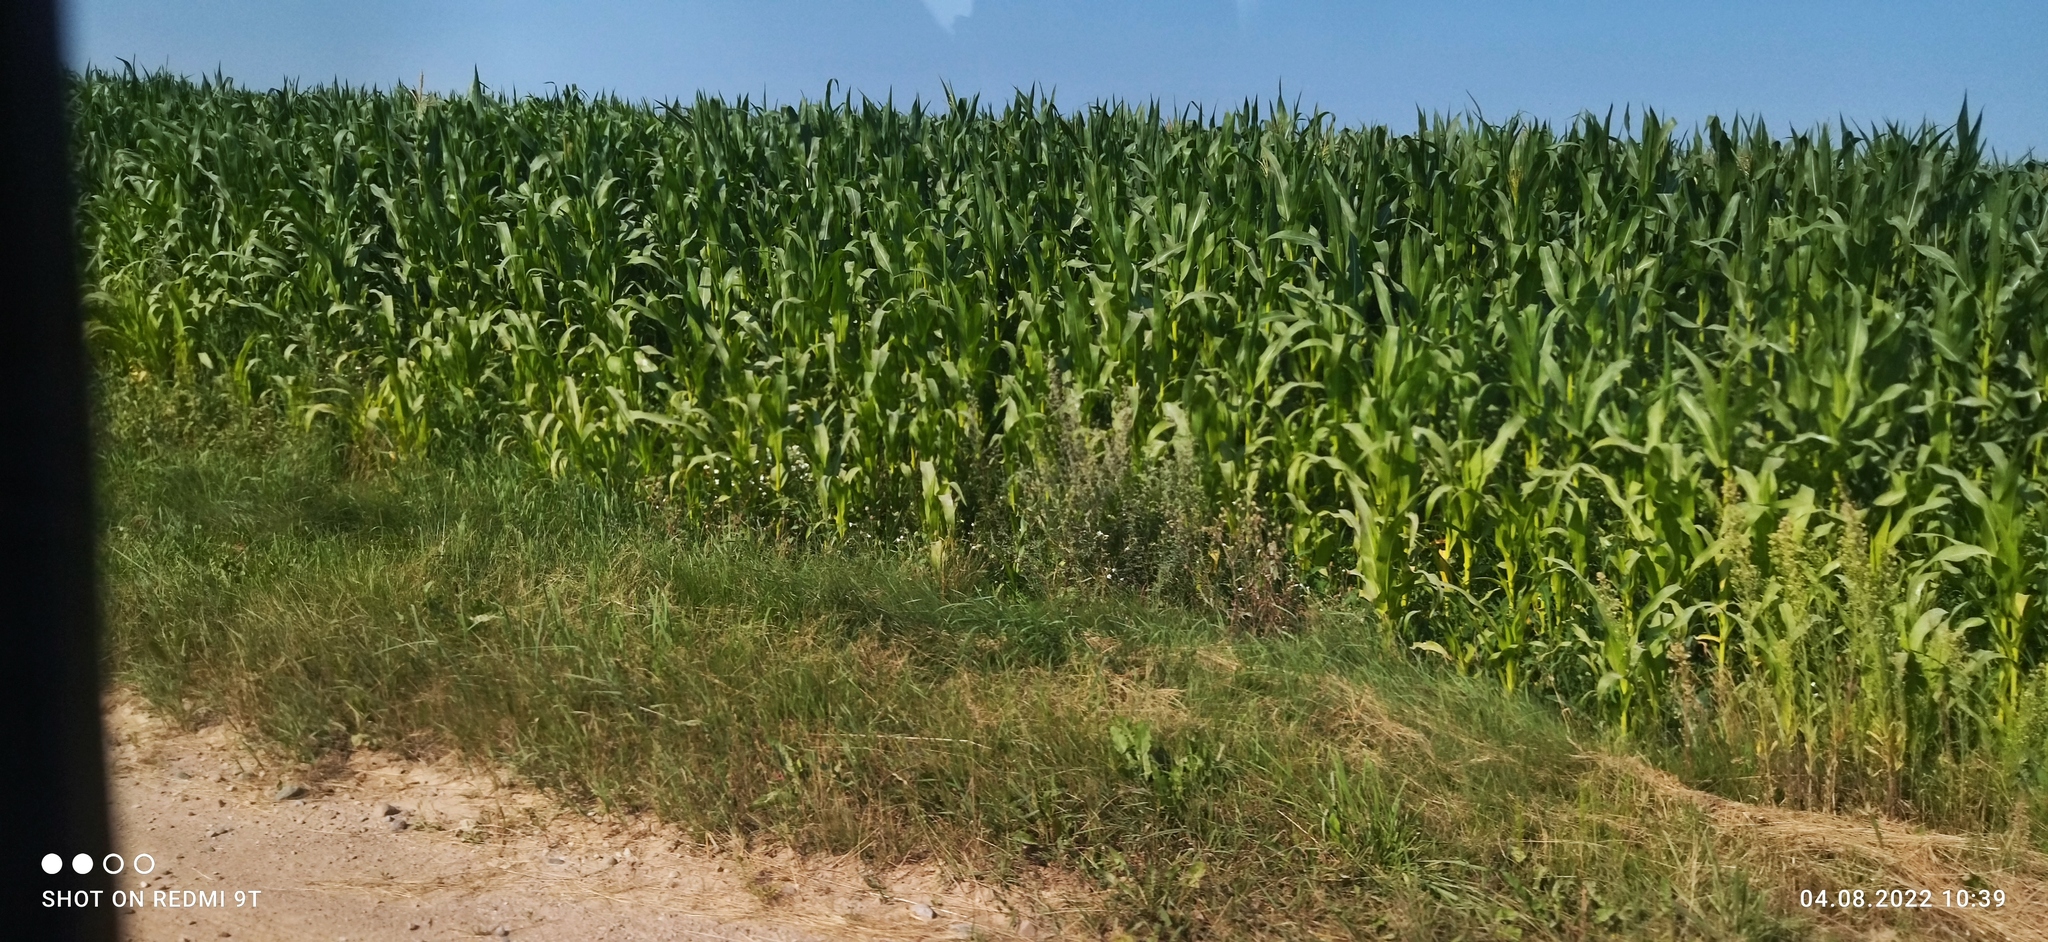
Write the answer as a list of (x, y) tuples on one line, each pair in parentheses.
[(384, 849)]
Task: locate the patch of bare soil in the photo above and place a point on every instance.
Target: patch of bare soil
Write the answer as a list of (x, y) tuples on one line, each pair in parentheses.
[(381, 848)]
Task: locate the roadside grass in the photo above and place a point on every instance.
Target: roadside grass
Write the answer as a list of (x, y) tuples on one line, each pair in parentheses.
[(1212, 783)]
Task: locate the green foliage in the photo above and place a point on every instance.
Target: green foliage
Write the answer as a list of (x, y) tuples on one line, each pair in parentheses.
[(1190, 780), (1363, 817), (1721, 434)]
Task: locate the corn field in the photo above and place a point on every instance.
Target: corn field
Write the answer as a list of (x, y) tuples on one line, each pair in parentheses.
[(1726, 435)]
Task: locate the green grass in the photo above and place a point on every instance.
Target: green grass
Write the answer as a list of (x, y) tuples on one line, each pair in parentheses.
[(1212, 783)]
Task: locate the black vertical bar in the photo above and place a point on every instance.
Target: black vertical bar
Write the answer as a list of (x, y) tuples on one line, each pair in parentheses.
[(52, 769)]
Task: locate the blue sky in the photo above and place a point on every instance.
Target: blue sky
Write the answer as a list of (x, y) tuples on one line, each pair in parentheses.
[(1366, 62)]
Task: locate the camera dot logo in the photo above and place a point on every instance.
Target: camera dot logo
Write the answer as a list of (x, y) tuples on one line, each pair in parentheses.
[(81, 863), (52, 863)]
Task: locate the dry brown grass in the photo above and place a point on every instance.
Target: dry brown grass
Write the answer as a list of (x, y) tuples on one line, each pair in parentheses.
[(1885, 853)]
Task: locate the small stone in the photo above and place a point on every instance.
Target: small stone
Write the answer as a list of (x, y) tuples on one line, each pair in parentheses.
[(226, 934), (501, 932), (390, 809), (398, 822), (922, 911), (414, 926), (181, 773), (961, 930), (289, 791)]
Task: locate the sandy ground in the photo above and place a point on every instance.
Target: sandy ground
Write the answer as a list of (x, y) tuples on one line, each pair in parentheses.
[(382, 848)]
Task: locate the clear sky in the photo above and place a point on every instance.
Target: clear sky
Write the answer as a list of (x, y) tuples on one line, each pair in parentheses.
[(1793, 62)]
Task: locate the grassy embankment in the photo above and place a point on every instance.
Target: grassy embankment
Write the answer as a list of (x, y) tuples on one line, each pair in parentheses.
[(1215, 782)]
